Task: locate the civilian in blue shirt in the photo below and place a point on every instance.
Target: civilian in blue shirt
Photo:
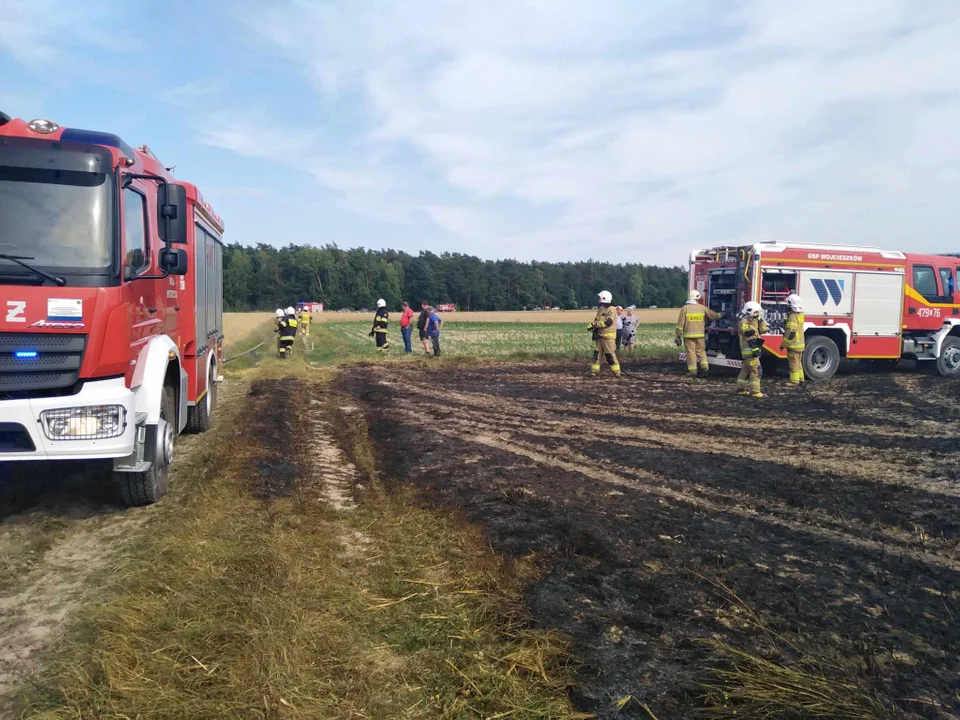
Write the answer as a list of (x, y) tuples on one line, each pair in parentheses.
[(434, 323)]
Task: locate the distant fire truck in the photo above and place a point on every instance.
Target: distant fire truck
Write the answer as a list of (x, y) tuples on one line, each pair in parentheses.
[(859, 303), (111, 302), (448, 307)]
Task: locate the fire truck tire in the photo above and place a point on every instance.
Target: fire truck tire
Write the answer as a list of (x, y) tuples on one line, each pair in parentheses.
[(948, 364), (821, 358), (200, 416), (149, 486)]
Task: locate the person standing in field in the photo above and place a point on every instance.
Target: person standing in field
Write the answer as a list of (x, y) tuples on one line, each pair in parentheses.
[(380, 321), (793, 340), (604, 328), (406, 326), (751, 329), (434, 323), (422, 326), (691, 330), (619, 327), (630, 324), (304, 321)]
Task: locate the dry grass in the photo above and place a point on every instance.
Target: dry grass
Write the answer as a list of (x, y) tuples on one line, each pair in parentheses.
[(748, 686), (238, 325), (236, 606)]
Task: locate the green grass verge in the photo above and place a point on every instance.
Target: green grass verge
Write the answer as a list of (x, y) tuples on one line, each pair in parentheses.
[(343, 342)]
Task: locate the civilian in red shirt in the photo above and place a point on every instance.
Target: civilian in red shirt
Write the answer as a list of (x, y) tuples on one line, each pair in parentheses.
[(406, 326)]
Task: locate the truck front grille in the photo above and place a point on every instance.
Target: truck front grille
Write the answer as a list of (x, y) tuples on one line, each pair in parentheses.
[(39, 364)]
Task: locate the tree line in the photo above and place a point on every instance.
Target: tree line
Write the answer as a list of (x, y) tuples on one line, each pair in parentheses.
[(266, 277)]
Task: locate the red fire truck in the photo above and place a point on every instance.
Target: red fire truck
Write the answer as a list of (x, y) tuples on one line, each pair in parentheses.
[(111, 290), (859, 303)]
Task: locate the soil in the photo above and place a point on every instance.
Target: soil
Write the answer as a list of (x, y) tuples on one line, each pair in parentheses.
[(817, 525)]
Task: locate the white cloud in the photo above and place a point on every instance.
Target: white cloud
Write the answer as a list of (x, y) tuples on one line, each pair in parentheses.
[(645, 128)]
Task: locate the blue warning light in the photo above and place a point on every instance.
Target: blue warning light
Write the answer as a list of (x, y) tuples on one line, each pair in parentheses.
[(25, 354)]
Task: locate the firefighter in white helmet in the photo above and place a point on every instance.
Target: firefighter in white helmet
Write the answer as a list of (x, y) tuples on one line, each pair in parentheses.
[(287, 327), (380, 321), (751, 329), (277, 318), (691, 330), (604, 329), (793, 340)]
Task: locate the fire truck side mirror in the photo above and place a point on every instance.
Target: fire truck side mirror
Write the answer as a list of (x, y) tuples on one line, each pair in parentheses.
[(172, 221), (173, 262)]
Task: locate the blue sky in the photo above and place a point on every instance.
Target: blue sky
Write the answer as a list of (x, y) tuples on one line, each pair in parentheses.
[(535, 129)]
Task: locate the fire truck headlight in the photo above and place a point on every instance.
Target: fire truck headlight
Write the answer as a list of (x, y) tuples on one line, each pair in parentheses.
[(97, 422)]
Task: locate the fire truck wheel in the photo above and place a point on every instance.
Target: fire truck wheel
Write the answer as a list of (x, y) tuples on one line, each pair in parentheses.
[(821, 358), (948, 364), (147, 487), (200, 416)]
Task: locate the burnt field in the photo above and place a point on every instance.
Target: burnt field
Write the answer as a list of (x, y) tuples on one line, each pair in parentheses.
[(677, 525)]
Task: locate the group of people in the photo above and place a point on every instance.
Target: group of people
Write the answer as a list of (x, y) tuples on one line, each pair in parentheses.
[(288, 323), (428, 325), (609, 329)]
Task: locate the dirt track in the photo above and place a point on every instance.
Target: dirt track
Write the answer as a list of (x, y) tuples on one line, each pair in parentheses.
[(664, 512)]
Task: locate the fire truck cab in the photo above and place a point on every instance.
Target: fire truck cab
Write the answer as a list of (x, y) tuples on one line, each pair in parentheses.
[(859, 303), (110, 305)]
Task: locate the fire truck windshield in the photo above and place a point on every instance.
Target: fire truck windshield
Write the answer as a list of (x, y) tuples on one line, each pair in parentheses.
[(57, 218)]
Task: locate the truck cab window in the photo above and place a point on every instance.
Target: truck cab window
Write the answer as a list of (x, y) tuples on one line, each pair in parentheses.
[(946, 281), (134, 229), (925, 281)]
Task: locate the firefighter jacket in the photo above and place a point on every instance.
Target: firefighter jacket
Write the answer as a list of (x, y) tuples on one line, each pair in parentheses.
[(604, 325), (751, 329), (288, 327), (304, 317), (793, 331), (381, 320), (692, 321)]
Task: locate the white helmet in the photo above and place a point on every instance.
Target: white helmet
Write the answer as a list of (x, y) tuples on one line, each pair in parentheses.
[(752, 309), (381, 303), (694, 296), (290, 311), (793, 302), (605, 297), (279, 313)]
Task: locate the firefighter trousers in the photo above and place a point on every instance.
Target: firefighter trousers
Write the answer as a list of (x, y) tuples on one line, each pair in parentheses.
[(305, 329), (749, 378), (696, 354), (795, 361), (606, 348)]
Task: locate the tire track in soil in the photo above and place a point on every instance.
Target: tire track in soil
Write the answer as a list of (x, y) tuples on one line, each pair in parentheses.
[(627, 530), (75, 517)]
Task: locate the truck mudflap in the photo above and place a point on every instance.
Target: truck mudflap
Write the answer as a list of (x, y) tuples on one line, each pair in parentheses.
[(718, 361), (96, 423)]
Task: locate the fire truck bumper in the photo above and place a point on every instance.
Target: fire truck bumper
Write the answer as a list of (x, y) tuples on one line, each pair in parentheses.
[(718, 361), (97, 422)]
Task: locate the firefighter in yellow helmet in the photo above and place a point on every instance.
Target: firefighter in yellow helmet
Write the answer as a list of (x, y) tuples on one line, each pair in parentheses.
[(304, 321), (691, 330), (604, 328), (793, 340), (751, 329)]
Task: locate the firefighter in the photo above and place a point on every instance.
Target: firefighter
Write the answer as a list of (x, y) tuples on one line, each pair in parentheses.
[(691, 329), (287, 327), (793, 340), (380, 322), (751, 328), (304, 321), (604, 328), (277, 319)]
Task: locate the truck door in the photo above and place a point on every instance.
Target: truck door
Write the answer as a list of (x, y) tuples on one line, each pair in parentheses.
[(924, 295), (140, 248)]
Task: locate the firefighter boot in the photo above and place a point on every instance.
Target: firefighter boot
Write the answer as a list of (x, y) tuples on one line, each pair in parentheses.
[(613, 363), (595, 367)]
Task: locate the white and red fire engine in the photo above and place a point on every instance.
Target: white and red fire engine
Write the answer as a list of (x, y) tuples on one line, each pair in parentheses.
[(111, 302), (859, 303)]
